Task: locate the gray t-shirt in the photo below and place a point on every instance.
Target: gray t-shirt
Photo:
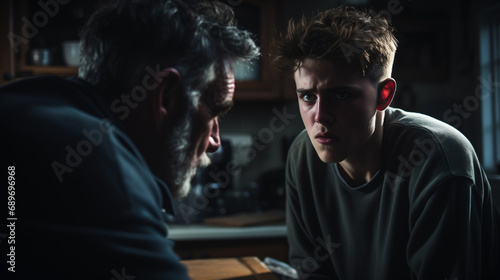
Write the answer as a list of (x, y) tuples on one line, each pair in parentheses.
[(426, 214)]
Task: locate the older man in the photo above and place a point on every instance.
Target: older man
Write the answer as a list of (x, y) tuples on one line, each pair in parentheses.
[(93, 160)]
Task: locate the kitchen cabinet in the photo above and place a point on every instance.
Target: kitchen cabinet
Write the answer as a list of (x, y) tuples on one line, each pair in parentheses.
[(276, 248), (259, 17), (44, 26), (33, 24)]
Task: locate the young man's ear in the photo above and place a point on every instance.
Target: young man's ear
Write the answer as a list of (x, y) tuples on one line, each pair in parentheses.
[(169, 88), (386, 91)]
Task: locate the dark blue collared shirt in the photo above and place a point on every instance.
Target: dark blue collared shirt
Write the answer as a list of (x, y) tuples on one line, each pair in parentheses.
[(87, 206)]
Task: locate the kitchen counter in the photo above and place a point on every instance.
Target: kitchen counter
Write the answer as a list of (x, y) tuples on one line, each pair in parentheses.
[(209, 232), (200, 241), (228, 268)]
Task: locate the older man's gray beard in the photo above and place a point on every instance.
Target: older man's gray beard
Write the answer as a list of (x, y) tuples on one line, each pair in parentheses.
[(185, 185), (175, 164)]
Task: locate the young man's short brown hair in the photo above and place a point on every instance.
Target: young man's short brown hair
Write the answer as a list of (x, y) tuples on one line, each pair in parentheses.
[(362, 37)]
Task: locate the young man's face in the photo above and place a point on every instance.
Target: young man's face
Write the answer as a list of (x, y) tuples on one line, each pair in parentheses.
[(338, 107)]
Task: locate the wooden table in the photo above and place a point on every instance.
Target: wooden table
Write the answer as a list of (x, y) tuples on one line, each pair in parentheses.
[(245, 268)]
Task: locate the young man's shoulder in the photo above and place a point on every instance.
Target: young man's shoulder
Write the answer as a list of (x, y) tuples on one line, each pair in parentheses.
[(420, 141), (420, 123), (400, 123)]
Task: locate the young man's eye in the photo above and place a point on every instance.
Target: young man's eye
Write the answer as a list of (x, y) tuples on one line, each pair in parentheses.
[(342, 95), (307, 97)]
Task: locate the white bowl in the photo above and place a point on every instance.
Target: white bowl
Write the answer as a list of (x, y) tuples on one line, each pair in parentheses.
[(71, 53)]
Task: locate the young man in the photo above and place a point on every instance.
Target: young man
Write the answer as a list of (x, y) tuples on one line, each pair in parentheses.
[(375, 192), (94, 160)]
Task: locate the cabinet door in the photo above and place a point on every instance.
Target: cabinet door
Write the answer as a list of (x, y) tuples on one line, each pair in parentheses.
[(257, 81)]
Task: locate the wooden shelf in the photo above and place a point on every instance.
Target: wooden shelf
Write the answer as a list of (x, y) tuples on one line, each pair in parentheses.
[(63, 71)]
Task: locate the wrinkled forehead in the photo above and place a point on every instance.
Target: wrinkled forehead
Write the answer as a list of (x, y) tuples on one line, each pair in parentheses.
[(220, 86)]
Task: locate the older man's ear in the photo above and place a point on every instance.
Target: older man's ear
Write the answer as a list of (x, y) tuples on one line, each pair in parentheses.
[(168, 95)]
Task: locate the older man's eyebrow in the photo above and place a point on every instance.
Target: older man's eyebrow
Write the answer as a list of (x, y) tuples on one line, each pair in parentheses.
[(222, 108)]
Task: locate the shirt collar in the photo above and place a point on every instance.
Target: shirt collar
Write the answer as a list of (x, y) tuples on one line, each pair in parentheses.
[(168, 201)]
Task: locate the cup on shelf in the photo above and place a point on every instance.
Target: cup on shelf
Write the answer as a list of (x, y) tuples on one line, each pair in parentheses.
[(41, 57), (71, 53)]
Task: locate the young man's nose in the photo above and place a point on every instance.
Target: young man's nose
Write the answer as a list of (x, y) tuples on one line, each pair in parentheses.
[(324, 114), (214, 137)]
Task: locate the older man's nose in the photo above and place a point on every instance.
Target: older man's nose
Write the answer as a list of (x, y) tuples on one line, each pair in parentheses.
[(214, 138)]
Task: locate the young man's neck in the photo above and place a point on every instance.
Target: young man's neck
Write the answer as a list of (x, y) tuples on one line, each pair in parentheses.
[(361, 167)]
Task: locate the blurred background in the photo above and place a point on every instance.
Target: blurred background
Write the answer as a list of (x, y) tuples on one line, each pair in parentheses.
[(447, 66)]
